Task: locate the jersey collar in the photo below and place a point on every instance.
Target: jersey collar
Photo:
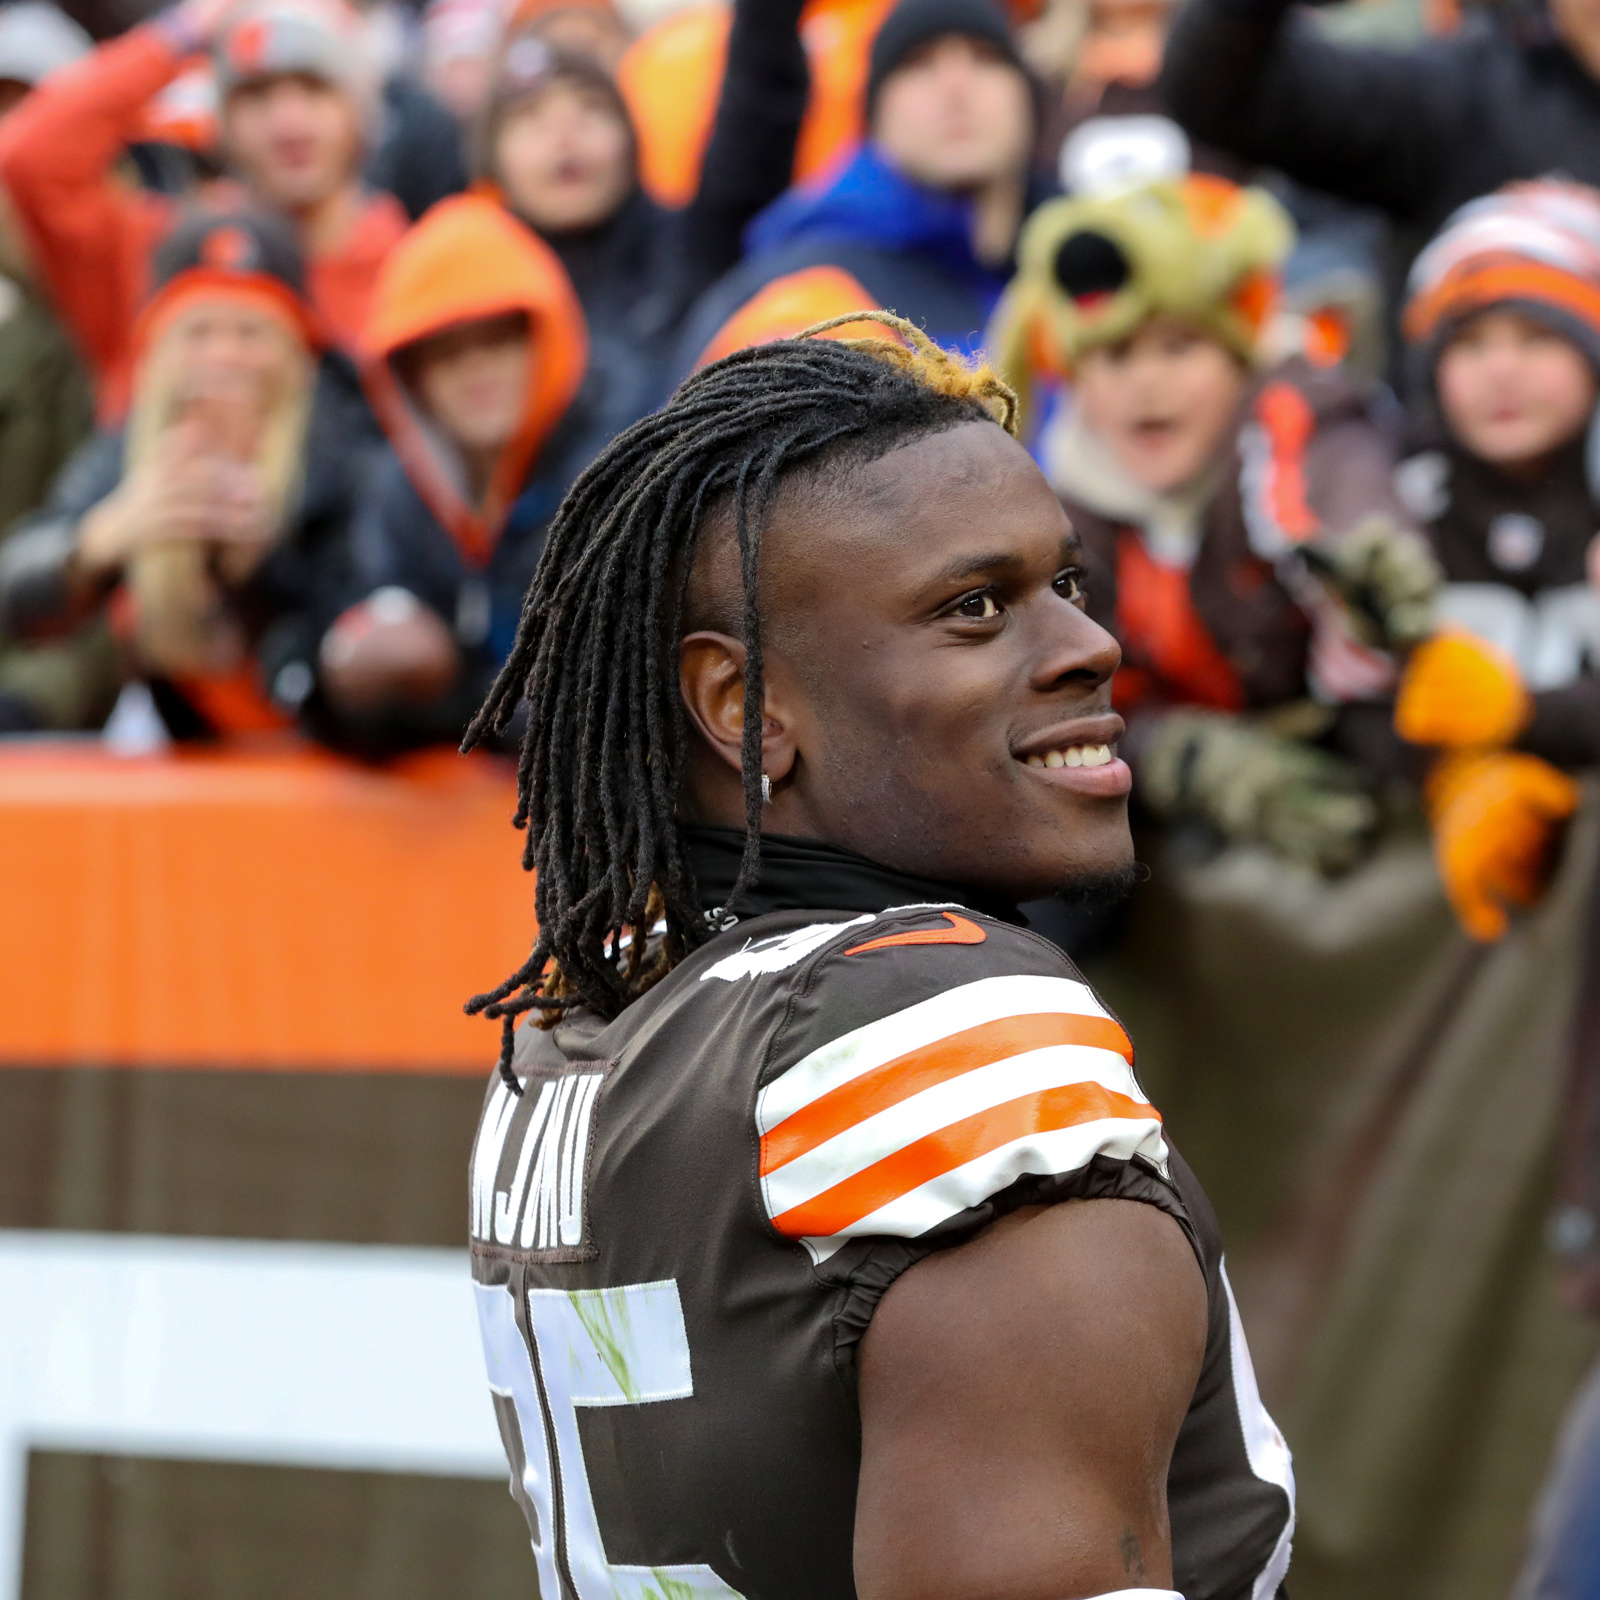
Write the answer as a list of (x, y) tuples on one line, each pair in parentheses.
[(808, 875)]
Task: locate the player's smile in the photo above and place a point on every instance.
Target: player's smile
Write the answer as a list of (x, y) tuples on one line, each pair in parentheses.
[(1080, 755)]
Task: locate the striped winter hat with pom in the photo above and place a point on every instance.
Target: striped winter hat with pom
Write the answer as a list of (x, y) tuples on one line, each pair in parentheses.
[(1530, 247)]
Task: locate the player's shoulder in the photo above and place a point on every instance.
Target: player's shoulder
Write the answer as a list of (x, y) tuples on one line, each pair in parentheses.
[(930, 1057), (922, 972), (852, 968)]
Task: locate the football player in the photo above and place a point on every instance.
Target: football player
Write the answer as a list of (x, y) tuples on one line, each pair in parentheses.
[(826, 1245)]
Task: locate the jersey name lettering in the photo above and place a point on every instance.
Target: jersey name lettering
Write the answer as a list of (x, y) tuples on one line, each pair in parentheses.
[(540, 1208)]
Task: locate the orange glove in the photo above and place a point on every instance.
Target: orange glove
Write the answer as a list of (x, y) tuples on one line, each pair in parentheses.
[(1496, 817), (1460, 690)]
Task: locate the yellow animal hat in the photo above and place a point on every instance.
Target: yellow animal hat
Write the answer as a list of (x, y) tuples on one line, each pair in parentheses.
[(1092, 268)]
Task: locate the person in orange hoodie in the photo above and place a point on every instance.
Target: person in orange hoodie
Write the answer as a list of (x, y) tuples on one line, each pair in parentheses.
[(474, 358), (298, 99)]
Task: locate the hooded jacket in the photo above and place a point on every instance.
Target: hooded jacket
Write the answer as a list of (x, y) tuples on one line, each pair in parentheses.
[(416, 527), (640, 272)]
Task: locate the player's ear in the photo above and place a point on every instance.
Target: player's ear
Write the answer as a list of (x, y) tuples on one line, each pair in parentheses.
[(711, 680)]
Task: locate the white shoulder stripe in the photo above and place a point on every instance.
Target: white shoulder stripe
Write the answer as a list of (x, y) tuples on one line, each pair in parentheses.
[(864, 1143), (1058, 1150), (969, 1006)]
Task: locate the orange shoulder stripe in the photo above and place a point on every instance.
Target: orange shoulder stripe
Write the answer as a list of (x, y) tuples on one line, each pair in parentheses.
[(931, 1157), (946, 1058)]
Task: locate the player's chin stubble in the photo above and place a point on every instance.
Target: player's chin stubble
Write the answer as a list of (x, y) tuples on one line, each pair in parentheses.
[(1100, 890)]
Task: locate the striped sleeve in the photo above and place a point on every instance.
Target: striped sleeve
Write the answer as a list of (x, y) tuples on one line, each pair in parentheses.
[(901, 1124)]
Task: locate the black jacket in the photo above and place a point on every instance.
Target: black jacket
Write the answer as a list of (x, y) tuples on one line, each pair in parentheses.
[(287, 598), (418, 157), (1514, 555), (639, 272), (1415, 132)]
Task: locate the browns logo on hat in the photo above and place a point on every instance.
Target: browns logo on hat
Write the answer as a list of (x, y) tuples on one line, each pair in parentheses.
[(283, 38), (230, 248), (232, 252)]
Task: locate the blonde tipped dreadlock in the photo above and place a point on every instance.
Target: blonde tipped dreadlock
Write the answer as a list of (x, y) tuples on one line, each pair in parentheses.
[(596, 653), (930, 364)]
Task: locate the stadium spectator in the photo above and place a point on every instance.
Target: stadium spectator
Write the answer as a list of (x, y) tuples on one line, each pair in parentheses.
[(45, 409), (1504, 331), (925, 216), (459, 40), (593, 28), (475, 357), (213, 525), (1211, 488), (557, 143), (298, 104), (1414, 132)]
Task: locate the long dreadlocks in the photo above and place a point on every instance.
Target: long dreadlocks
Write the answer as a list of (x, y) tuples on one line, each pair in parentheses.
[(596, 653)]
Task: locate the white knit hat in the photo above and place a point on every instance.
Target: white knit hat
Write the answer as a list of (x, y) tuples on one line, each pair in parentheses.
[(37, 40)]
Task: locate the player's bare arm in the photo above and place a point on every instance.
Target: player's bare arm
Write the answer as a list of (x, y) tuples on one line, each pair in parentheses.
[(1015, 1446)]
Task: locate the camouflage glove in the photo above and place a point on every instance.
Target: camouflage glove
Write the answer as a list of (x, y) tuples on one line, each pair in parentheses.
[(1386, 576), (1255, 786)]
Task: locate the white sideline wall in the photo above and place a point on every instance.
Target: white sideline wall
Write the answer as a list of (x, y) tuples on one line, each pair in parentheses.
[(362, 1357)]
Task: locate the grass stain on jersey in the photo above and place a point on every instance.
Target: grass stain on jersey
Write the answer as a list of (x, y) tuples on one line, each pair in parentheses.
[(667, 1587), (606, 1320)]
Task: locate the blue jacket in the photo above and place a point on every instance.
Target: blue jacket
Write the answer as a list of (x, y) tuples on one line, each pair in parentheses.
[(909, 247)]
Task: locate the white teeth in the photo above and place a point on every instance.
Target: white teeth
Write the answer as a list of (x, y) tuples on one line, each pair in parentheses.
[(1078, 755)]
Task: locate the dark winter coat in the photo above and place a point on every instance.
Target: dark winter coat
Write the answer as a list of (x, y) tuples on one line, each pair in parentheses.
[(1415, 132), (286, 600), (419, 157), (640, 271), (1514, 555), (397, 541)]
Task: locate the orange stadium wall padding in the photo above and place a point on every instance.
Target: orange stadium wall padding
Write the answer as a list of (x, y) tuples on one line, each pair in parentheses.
[(255, 910)]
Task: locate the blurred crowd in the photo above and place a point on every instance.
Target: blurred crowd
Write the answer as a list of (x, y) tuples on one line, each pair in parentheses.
[(310, 314)]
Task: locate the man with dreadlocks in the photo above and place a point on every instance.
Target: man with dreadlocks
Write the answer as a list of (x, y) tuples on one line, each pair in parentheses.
[(825, 1244)]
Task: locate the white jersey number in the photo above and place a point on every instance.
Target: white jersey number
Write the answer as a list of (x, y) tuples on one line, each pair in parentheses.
[(596, 1347)]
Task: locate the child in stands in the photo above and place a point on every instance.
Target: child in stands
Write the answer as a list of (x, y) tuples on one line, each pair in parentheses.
[(475, 357), (1240, 524), (1503, 325)]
